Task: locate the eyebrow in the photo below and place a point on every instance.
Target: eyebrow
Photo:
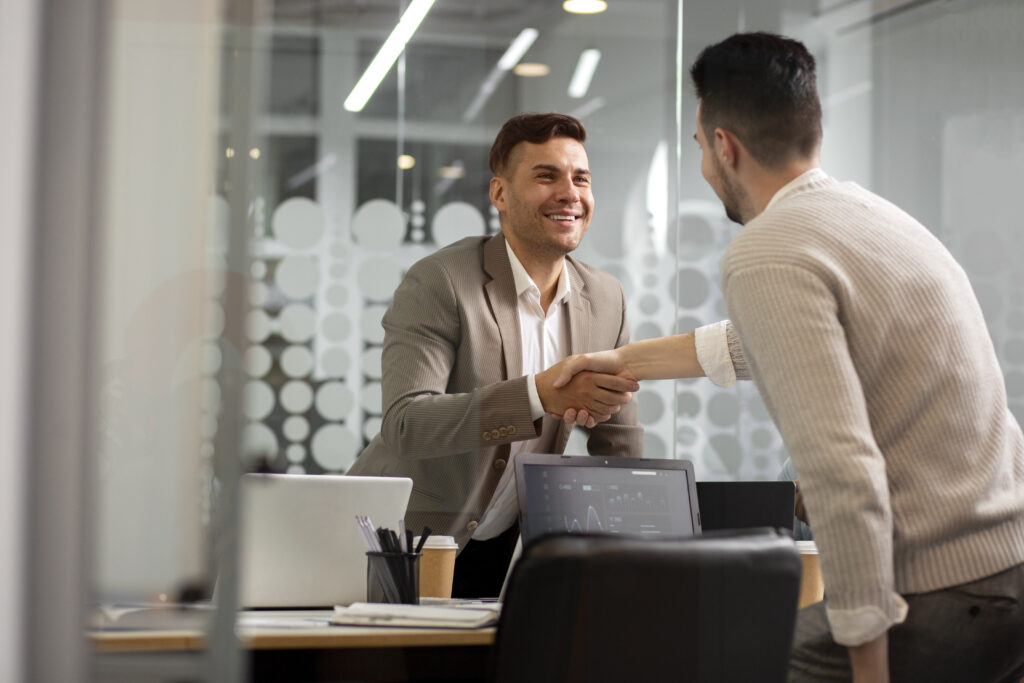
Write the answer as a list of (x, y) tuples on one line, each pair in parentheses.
[(552, 167)]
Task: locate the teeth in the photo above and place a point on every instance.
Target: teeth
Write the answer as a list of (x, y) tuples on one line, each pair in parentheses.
[(562, 218)]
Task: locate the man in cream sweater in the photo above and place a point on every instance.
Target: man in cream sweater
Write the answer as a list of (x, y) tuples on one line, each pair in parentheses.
[(869, 348)]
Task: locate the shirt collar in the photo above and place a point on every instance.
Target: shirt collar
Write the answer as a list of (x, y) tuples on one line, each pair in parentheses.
[(525, 283), (805, 178)]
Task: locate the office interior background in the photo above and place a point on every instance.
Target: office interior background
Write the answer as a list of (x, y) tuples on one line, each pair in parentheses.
[(202, 232)]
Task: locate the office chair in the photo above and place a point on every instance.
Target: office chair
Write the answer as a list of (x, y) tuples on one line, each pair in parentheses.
[(719, 607)]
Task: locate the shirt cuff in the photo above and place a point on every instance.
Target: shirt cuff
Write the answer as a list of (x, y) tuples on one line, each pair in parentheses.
[(712, 345), (536, 408), (857, 626)]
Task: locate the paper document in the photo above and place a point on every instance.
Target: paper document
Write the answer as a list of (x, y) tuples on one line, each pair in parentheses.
[(477, 615)]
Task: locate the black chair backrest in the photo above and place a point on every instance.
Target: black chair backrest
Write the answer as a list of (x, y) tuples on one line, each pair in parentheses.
[(719, 607)]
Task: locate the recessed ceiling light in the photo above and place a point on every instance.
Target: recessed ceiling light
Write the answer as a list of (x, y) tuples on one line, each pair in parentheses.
[(584, 6), (531, 69), (405, 162)]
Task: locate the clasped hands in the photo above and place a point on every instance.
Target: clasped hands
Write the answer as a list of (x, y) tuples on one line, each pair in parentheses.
[(586, 389)]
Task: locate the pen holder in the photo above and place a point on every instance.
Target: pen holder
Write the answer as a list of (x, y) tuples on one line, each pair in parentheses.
[(393, 577)]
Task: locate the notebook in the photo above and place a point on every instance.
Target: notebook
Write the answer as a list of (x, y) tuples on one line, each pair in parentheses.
[(594, 494), (745, 504), (300, 545)]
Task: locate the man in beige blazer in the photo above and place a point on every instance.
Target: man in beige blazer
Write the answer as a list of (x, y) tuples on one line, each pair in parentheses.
[(468, 336)]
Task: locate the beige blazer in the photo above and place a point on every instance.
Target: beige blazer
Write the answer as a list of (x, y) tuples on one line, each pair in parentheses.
[(454, 397)]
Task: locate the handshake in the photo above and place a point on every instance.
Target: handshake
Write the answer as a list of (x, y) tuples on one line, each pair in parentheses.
[(586, 389)]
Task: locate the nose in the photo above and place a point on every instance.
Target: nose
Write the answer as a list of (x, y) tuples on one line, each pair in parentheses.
[(568, 192)]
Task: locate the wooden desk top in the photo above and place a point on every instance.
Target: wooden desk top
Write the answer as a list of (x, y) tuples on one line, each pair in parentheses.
[(272, 631)]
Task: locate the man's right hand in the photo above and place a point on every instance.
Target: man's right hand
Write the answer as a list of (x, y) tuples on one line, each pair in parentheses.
[(600, 395)]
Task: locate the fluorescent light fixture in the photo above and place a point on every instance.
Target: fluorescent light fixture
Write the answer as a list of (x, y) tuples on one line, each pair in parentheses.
[(518, 48), (584, 6), (531, 69), (512, 55), (588, 108), (389, 51), (584, 73)]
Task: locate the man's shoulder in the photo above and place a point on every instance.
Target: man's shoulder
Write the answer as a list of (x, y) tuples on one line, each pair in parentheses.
[(457, 257)]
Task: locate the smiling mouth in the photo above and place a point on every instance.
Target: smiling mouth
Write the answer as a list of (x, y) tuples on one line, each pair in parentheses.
[(562, 217)]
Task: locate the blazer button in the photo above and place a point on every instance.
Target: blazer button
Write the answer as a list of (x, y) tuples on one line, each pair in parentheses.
[(472, 525), (487, 436), (500, 465), (495, 434), (511, 430)]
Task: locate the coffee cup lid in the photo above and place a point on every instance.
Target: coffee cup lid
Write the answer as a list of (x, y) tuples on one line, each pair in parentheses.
[(433, 541)]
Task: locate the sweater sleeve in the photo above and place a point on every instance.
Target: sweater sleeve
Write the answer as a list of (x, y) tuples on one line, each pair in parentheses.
[(788, 318)]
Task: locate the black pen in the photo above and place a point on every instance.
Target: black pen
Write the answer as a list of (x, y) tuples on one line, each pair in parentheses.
[(423, 538)]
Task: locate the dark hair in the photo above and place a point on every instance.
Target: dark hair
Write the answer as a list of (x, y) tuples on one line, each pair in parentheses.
[(535, 128), (762, 88)]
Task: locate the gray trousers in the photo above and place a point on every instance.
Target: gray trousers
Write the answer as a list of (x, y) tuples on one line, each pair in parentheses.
[(973, 632)]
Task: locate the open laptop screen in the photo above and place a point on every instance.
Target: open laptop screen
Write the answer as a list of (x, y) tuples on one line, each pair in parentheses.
[(593, 494)]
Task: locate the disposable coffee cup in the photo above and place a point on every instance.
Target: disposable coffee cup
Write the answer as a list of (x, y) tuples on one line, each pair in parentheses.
[(812, 588), (437, 566)]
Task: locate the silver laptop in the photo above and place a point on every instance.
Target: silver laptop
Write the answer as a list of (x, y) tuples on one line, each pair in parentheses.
[(300, 545)]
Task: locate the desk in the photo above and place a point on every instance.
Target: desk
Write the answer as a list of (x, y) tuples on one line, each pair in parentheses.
[(336, 653)]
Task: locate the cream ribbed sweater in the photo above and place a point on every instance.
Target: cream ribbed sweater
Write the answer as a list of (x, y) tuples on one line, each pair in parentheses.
[(870, 350)]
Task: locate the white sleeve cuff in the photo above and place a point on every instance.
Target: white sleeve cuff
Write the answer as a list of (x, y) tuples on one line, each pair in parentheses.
[(857, 626), (712, 346), (536, 408)]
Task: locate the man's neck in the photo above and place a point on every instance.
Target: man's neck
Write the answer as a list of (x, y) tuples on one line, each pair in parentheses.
[(768, 183), (544, 270)]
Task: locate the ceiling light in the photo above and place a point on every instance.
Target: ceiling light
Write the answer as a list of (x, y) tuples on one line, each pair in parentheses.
[(389, 51), (584, 73), (254, 153), (453, 172), (518, 48), (530, 69), (513, 54), (405, 162), (584, 6)]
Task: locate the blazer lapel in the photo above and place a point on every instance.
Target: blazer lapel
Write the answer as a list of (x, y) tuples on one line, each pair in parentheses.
[(501, 295)]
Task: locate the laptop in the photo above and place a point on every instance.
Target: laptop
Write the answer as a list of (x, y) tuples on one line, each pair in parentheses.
[(595, 494), (745, 504), (300, 545)]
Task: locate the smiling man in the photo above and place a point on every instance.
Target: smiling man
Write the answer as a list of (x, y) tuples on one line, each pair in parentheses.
[(468, 337)]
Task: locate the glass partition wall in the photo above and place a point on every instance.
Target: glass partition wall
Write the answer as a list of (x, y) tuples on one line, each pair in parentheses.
[(922, 103)]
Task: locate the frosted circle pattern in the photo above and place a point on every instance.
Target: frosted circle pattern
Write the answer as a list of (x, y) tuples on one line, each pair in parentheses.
[(338, 271), (689, 288), (649, 304), (370, 399), (729, 452), (258, 441), (622, 275), (258, 270), (218, 213), (334, 401), (258, 400), (651, 407), (336, 326), (259, 294), (757, 408), (295, 453), (370, 362), (688, 404), (208, 427), (209, 395), (334, 447), (339, 250), (211, 358), (295, 428), (762, 462), (696, 238), (297, 276), (654, 446), (378, 278), (296, 469), (687, 436), (296, 361), (762, 438), (257, 361), (369, 324), (257, 325), (297, 322), (379, 224), (723, 410), (721, 312), (214, 320), (334, 362), (650, 280), (337, 295), (296, 397), (371, 427), (647, 330), (456, 220), (298, 223)]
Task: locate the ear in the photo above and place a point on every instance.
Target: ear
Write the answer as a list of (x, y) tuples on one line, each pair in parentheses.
[(727, 147), (497, 193)]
